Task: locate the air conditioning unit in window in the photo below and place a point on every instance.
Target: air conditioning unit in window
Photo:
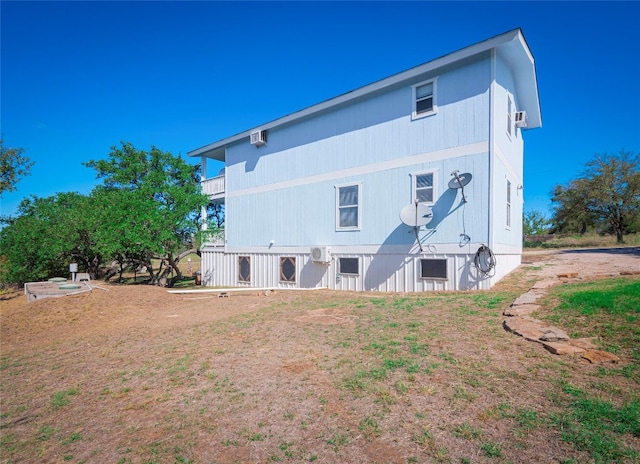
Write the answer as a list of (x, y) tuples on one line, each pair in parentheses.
[(259, 138), (521, 119), (321, 254)]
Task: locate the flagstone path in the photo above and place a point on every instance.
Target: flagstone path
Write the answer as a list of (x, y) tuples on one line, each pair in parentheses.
[(562, 267)]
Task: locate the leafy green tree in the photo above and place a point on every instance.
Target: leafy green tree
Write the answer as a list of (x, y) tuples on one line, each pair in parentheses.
[(47, 235), (152, 200), (571, 213), (13, 166), (215, 215), (608, 193), (535, 222), (144, 214)]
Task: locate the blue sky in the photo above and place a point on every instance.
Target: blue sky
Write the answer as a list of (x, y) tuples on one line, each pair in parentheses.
[(79, 77)]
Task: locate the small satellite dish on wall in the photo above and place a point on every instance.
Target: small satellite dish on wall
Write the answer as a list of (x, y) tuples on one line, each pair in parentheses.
[(416, 215), (459, 181)]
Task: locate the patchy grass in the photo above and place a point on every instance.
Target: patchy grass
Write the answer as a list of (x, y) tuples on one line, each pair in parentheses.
[(590, 240), (599, 426), (310, 377), (599, 417), (607, 310)]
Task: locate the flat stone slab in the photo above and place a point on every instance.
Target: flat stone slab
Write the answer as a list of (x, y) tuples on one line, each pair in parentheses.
[(553, 334), (600, 357), (524, 326), (521, 310), (528, 298), (544, 284), (556, 341), (562, 349)]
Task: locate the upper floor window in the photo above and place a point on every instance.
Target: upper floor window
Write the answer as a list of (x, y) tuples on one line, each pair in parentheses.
[(424, 99), (348, 207), (424, 187)]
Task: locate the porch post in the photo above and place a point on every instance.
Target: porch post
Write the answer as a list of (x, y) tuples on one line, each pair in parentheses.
[(203, 177)]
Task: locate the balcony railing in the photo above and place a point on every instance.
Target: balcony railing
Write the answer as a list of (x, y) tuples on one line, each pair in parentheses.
[(213, 238), (214, 186)]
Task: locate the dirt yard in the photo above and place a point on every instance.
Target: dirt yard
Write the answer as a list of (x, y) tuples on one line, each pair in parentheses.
[(135, 374)]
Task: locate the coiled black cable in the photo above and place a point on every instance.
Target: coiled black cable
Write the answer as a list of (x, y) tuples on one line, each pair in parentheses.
[(485, 261)]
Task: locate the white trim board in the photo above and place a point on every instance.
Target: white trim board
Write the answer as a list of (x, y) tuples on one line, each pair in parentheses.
[(455, 152)]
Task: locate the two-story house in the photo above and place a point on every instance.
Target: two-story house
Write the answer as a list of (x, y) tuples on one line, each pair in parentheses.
[(412, 183)]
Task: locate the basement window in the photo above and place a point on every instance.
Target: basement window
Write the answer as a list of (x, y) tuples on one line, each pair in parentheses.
[(349, 266), (244, 269), (288, 269), (433, 268)]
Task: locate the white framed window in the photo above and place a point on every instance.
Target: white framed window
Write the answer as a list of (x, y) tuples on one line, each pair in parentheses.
[(349, 266), (424, 187), (424, 99), (433, 268), (348, 207), (508, 204), (511, 109)]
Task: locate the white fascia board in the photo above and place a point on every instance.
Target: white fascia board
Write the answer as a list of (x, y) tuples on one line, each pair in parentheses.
[(412, 73), (519, 56)]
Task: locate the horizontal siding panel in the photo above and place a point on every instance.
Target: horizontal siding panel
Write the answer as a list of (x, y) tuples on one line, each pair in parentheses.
[(305, 215), (371, 130)]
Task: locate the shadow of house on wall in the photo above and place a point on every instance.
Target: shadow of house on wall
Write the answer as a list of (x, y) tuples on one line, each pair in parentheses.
[(403, 240)]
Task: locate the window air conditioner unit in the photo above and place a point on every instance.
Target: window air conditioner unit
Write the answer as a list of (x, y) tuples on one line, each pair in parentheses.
[(521, 119), (320, 254), (259, 138)]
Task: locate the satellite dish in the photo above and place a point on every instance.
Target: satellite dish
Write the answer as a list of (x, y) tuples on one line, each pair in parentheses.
[(416, 215), (460, 180)]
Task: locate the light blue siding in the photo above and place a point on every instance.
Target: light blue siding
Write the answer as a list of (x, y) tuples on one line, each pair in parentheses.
[(512, 146), (508, 162), (280, 199), (304, 215), (372, 130)]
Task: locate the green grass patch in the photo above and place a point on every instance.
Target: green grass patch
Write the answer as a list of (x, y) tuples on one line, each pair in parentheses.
[(62, 398), (370, 428), (598, 426), (467, 431), (608, 310), (492, 450), (615, 297)]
